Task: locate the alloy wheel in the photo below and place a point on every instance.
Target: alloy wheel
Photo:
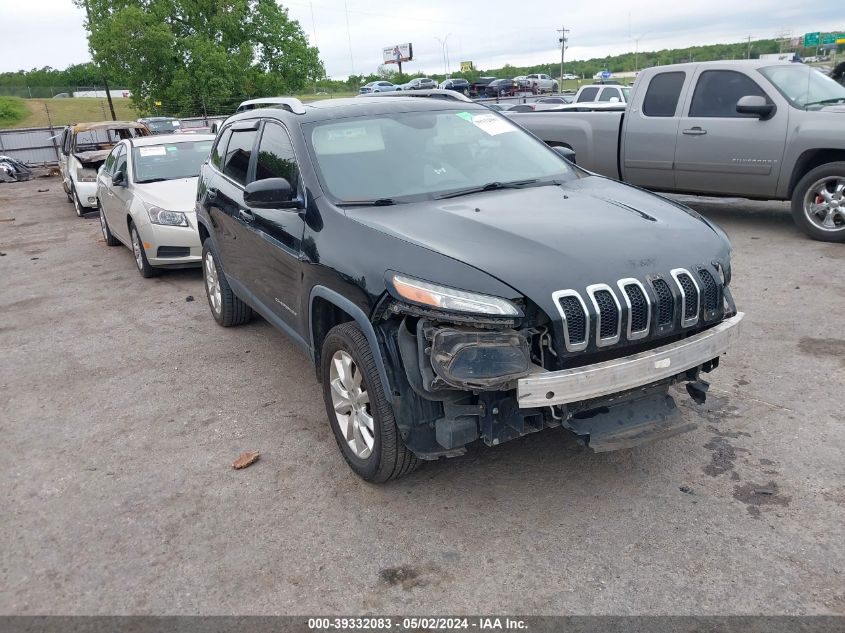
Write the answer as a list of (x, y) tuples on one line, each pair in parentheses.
[(824, 204), (212, 283), (351, 404), (103, 223), (136, 249)]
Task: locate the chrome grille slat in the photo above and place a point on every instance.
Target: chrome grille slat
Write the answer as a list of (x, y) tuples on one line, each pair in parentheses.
[(567, 302), (690, 296), (639, 308), (608, 314)]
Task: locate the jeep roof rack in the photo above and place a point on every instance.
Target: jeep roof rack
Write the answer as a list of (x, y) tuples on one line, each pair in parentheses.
[(292, 104), (437, 93)]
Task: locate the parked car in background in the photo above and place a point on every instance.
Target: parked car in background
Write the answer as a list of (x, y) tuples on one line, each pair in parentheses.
[(756, 129), (388, 238), (603, 92), (477, 88), (541, 82), (458, 85), (162, 124), (82, 149), (570, 76), (502, 88), (146, 194), (420, 83), (378, 86)]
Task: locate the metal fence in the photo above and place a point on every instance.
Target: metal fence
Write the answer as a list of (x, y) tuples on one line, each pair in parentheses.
[(40, 146)]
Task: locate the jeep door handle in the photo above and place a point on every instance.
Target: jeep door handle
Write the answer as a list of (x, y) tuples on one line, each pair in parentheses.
[(246, 215), (695, 131)]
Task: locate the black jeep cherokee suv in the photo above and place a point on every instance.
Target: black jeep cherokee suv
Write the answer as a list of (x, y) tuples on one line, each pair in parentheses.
[(453, 278)]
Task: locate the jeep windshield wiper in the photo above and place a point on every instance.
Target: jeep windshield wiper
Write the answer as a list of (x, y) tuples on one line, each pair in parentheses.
[(490, 186), (378, 202)]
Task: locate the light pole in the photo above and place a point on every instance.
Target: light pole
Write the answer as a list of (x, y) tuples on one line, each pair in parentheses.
[(637, 51), (444, 49), (563, 31)]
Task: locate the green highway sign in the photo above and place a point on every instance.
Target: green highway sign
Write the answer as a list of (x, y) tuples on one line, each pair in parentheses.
[(811, 39), (828, 39)]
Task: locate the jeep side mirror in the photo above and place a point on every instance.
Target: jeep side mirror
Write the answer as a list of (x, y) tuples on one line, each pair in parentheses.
[(119, 179), (756, 106), (270, 193), (567, 153)]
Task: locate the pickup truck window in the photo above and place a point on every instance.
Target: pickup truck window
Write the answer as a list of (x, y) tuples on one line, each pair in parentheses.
[(418, 155), (608, 93), (588, 94), (664, 91), (804, 87), (717, 92)]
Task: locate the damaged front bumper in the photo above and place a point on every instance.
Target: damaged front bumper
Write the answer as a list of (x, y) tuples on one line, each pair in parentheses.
[(544, 388)]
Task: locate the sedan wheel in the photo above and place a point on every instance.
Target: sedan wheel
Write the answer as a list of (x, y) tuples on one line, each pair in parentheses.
[(144, 267)]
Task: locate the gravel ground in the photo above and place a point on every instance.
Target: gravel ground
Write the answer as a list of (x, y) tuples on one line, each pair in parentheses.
[(124, 405)]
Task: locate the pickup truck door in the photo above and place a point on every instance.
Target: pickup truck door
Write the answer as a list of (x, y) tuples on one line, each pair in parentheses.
[(651, 130), (722, 151)]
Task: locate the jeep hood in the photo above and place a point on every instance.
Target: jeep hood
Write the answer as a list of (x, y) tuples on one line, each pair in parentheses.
[(542, 239)]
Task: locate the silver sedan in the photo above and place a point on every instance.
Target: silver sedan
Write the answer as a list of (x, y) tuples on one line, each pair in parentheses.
[(146, 192)]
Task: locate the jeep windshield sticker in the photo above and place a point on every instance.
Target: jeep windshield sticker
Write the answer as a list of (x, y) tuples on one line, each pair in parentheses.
[(155, 150), (490, 124), (344, 138)]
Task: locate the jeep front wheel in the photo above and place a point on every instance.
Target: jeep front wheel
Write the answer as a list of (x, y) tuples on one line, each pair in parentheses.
[(818, 203), (359, 414)]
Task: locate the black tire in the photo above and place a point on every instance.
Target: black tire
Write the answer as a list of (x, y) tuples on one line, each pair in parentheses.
[(111, 240), (802, 189), (555, 88), (77, 205), (390, 458), (231, 310), (139, 255)]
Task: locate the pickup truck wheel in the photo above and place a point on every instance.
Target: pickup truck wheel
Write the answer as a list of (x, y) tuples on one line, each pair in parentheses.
[(818, 203), (111, 240), (360, 416), (225, 306)]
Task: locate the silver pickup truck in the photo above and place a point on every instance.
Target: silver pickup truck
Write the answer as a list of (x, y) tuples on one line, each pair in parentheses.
[(754, 129)]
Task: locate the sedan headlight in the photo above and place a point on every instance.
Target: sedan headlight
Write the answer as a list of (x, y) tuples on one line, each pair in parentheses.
[(84, 174), (444, 298), (165, 217)]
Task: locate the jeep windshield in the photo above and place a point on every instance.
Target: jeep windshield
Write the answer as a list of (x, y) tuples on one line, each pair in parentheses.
[(805, 87), (430, 154)]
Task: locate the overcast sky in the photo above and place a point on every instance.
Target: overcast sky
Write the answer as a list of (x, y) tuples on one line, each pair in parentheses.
[(36, 33)]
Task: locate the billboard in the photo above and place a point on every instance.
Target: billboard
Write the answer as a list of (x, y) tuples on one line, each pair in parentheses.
[(398, 53), (467, 67)]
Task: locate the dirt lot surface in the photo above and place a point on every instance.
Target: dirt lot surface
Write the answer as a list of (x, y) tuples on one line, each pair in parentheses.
[(124, 406)]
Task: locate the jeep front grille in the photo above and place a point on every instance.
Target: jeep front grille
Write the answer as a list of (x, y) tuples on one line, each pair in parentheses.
[(665, 302), (710, 294), (575, 319), (607, 314), (639, 308), (689, 296)]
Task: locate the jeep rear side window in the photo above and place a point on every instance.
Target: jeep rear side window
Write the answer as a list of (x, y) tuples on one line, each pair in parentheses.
[(220, 149), (238, 154), (717, 92), (588, 94), (275, 156), (664, 91)]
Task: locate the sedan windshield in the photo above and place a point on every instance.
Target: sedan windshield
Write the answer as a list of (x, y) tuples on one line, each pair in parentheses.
[(805, 87), (169, 161), (422, 155), (166, 126)]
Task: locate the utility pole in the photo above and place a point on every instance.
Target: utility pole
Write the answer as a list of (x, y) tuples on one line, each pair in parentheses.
[(105, 83), (349, 37), (563, 31), (444, 49), (748, 56)]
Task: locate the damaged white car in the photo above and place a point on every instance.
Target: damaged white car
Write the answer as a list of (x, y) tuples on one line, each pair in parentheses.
[(84, 147)]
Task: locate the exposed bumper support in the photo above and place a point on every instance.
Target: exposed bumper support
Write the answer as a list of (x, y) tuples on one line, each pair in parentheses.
[(545, 388)]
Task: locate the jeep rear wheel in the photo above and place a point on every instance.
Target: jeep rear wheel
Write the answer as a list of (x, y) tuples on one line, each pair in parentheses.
[(359, 414), (225, 306), (818, 203)]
